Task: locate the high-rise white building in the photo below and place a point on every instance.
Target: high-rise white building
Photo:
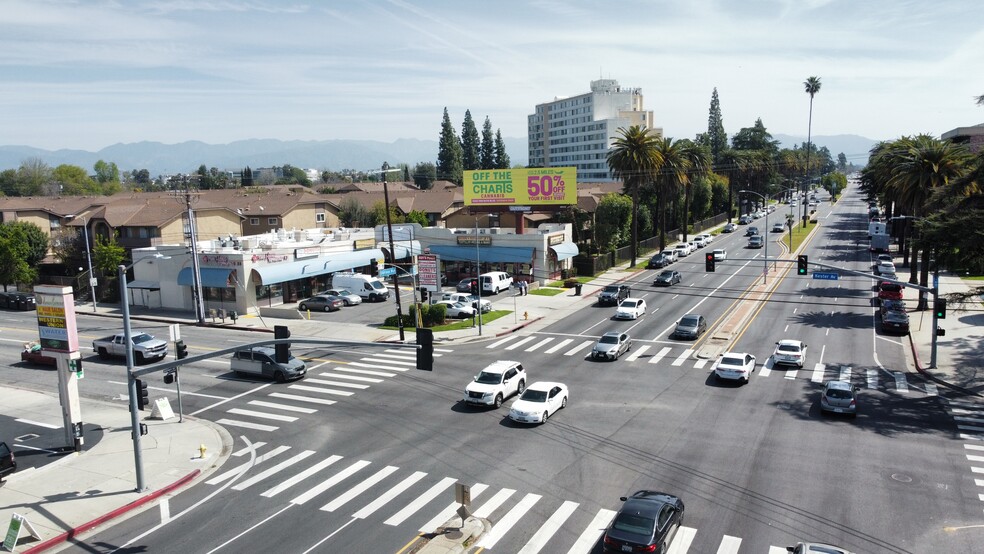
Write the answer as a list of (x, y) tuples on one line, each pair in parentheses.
[(578, 131)]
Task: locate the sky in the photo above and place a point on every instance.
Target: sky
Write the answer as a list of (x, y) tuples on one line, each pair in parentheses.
[(88, 74)]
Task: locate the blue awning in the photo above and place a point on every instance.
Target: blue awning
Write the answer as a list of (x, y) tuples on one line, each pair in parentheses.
[(342, 261), (211, 277), (565, 250), (500, 254)]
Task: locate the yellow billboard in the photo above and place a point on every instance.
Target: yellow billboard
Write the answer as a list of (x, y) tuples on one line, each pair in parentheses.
[(521, 187)]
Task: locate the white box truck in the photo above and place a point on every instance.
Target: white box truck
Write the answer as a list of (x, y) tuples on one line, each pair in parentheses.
[(369, 288)]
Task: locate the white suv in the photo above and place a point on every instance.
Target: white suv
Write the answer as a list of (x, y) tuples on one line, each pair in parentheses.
[(496, 382)]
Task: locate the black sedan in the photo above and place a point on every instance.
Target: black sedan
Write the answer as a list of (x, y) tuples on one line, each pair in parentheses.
[(658, 261), (894, 321), (666, 278), (647, 522)]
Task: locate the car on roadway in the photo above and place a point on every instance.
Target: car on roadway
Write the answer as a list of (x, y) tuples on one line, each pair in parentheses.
[(894, 321), (744, 220), (756, 241), (790, 352), (456, 310), (464, 285), (690, 326), (538, 402), (682, 250), (699, 240), (613, 294), (816, 548), (32, 354), (751, 231), (839, 397), (883, 258), (631, 308), (670, 254), (499, 380), (720, 254), (666, 278), (735, 366), (346, 295), (648, 522), (890, 305), (889, 275), (611, 345), (658, 261), (889, 291), (885, 267), (778, 227), (729, 228), (708, 238), (261, 361), (321, 303)]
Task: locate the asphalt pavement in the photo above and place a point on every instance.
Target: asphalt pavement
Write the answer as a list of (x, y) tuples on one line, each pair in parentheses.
[(81, 491)]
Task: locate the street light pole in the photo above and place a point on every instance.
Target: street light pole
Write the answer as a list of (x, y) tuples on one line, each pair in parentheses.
[(88, 258), (765, 271), (389, 231), (131, 383)]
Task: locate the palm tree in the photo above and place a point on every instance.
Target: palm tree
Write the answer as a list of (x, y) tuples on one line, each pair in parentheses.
[(699, 161), (633, 158), (672, 175), (812, 86)]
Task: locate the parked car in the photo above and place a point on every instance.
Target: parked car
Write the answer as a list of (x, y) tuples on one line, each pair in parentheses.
[(611, 346), (32, 354), (708, 238), (647, 522), (816, 548), (464, 285), (744, 220), (735, 366), (720, 254), (894, 321), (8, 462), (468, 300), (538, 402), (890, 305), (666, 278), (839, 397), (889, 291), (631, 308), (690, 326), (670, 254), (682, 250), (789, 351), (613, 295), (778, 227), (346, 295), (496, 382), (729, 228), (658, 261), (456, 310), (322, 303), (756, 241)]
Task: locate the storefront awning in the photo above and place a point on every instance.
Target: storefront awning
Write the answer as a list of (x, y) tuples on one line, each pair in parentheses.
[(494, 254), (342, 261), (216, 277), (565, 250), (147, 285), (404, 248)]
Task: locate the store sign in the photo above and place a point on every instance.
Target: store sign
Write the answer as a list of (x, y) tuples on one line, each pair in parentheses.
[(268, 258), (362, 244), (554, 240), (218, 260), (309, 252), (56, 319), (429, 271), (520, 187), (472, 240)]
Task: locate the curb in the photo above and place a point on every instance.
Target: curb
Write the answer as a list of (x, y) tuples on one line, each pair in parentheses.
[(518, 327), (922, 371), (88, 526)]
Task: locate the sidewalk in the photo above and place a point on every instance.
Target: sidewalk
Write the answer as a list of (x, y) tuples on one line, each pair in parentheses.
[(80, 491)]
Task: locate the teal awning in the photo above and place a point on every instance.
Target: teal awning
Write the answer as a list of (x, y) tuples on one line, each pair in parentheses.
[(493, 254), (565, 250), (330, 263), (216, 277)]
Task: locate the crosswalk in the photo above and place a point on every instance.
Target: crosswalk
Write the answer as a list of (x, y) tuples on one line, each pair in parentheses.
[(363, 489), (680, 356), (969, 419), (324, 385)]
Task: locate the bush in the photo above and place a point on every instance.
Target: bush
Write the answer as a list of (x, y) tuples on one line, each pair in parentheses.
[(570, 283)]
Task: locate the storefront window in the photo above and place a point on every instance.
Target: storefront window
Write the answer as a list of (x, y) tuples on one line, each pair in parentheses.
[(216, 294)]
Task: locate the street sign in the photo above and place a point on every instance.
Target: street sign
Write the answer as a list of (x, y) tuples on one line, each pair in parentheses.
[(387, 271), (826, 275)]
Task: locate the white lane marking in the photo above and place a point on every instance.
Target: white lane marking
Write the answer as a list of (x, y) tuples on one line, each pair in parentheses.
[(539, 344), (682, 540), (38, 423), (845, 373), (420, 501), (586, 541), (499, 343), (931, 389), (977, 469), (497, 500), (249, 448), (968, 419), (392, 493), (900, 382), (970, 428), (966, 437), (729, 545), (350, 377), (273, 470), (974, 447), (321, 390), (660, 355), (520, 342), (337, 383), (381, 364), (245, 466), (300, 398), (791, 373), (365, 372), (446, 513), (362, 487), (262, 415), (231, 398), (507, 521), (639, 352), (700, 364), (301, 476), (766, 368), (559, 345), (549, 528), (682, 357), (581, 346), (777, 550), (247, 425), (974, 458), (329, 482), (872, 378), (165, 510), (818, 370), (965, 405), (286, 407)]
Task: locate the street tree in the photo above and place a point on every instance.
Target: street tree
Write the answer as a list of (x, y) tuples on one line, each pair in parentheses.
[(812, 87), (634, 158), (613, 212), (32, 175), (717, 139), (424, 175), (15, 251), (487, 149), (470, 144), (75, 180), (449, 154), (501, 157)]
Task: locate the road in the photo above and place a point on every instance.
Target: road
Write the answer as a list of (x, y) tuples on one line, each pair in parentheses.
[(361, 455)]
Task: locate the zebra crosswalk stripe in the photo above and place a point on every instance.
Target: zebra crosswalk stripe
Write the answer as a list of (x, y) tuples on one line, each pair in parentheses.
[(818, 371), (639, 352), (499, 343), (359, 386), (420, 501), (262, 415), (351, 377), (446, 513), (682, 357), (300, 398), (791, 373), (365, 371), (247, 425), (900, 383), (362, 487), (729, 545), (872, 378), (845, 374), (329, 483), (244, 466), (681, 542), (520, 342), (560, 345), (389, 495), (536, 346), (660, 355), (322, 390), (491, 504), (577, 348), (286, 407), (272, 471), (300, 476), (501, 527), (586, 541), (549, 528)]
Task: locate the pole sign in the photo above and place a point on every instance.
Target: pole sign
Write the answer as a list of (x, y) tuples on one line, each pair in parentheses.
[(387, 272), (429, 266), (56, 319), (826, 275)]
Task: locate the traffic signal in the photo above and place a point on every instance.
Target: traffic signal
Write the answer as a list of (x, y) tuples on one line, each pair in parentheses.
[(281, 350), (374, 267), (709, 262), (802, 265), (940, 332), (425, 349), (143, 396), (474, 287), (181, 349), (423, 295), (169, 376), (939, 307)]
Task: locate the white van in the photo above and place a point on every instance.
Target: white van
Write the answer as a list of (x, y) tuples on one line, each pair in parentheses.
[(494, 282), (367, 287)]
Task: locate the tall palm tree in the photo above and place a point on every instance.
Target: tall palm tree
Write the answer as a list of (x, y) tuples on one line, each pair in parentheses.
[(672, 175), (633, 159), (699, 160), (812, 87)]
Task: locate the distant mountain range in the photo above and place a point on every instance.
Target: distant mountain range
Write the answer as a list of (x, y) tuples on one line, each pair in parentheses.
[(335, 155)]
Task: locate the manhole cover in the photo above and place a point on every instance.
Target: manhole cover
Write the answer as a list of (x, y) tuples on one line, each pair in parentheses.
[(902, 478)]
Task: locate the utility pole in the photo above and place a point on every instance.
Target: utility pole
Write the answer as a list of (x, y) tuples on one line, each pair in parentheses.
[(389, 231), (197, 278)]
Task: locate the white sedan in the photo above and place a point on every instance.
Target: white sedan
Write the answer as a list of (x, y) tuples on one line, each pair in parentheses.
[(538, 402), (720, 254), (707, 237), (788, 351), (456, 310), (735, 366), (631, 308)]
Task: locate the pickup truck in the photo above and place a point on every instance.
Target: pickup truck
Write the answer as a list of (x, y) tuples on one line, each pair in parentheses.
[(467, 300), (145, 347)]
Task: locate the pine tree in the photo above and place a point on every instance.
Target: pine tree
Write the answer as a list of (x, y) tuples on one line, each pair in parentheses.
[(715, 129), (501, 158), (449, 163), (488, 146), (469, 143)]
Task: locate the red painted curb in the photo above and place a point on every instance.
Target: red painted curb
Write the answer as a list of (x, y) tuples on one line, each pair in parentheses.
[(76, 531)]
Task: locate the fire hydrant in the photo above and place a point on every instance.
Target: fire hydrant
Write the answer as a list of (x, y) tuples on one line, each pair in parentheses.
[(526, 315), (201, 450)]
